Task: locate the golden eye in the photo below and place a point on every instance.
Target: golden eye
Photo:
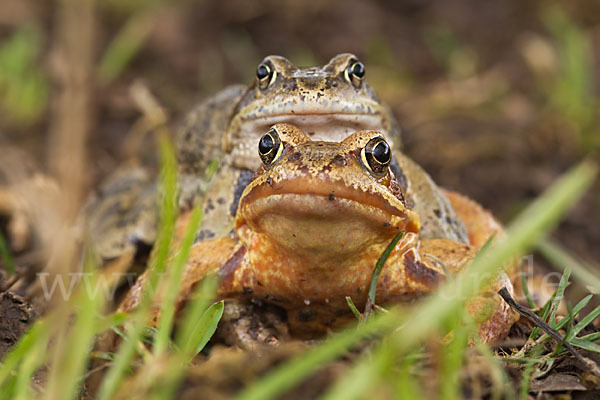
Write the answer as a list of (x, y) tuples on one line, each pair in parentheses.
[(265, 75), (270, 147), (355, 73), (376, 156)]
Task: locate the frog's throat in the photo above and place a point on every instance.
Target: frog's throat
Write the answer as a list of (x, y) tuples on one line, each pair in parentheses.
[(319, 229)]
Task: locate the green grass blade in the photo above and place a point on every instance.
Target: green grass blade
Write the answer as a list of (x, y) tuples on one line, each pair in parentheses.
[(65, 374), (452, 360), (294, 370), (168, 215), (203, 297), (592, 337), (167, 313), (203, 330), (549, 309), (586, 345), (560, 294), (125, 46), (545, 312), (378, 267), (585, 321), (530, 301), (406, 386), (37, 336), (364, 375), (561, 258), (353, 307), (575, 311)]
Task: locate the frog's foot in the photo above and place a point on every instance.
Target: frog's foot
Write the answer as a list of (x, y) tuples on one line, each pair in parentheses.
[(205, 259), (249, 326)]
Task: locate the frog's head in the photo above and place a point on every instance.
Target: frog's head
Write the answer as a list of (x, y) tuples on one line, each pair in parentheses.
[(327, 102), (324, 199)]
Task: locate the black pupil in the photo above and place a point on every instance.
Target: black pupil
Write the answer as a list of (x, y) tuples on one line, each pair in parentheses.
[(358, 70), (262, 71), (265, 145), (381, 152)]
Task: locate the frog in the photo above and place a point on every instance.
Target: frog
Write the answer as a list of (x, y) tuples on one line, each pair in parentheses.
[(312, 224), (328, 102)]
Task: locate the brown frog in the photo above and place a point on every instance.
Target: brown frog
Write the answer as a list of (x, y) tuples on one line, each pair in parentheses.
[(328, 102), (311, 226)]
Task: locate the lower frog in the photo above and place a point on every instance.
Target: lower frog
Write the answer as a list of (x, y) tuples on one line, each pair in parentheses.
[(311, 226)]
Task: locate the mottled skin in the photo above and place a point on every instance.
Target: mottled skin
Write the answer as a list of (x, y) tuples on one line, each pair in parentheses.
[(310, 228), (328, 102)]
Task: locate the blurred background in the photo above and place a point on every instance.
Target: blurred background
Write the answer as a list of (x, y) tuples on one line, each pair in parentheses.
[(496, 98)]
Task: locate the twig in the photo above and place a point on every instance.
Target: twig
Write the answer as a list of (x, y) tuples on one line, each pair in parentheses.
[(530, 315)]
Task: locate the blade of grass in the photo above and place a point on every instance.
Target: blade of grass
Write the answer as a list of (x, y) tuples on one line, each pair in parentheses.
[(585, 321), (186, 338), (575, 311), (561, 258), (560, 294), (591, 337), (549, 309), (534, 222), (168, 215), (530, 301), (353, 308), (196, 331), (167, 313), (452, 361), (528, 371), (376, 272), (364, 375), (203, 330), (406, 386), (37, 337), (125, 46), (294, 370), (65, 374), (586, 345)]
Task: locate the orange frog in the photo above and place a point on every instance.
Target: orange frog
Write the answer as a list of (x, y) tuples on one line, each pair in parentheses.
[(312, 224)]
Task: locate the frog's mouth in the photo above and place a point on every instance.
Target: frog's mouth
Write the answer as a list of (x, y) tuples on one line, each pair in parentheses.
[(323, 220)]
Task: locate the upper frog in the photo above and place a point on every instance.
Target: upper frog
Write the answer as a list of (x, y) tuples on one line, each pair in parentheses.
[(311, 226), (328, 102)]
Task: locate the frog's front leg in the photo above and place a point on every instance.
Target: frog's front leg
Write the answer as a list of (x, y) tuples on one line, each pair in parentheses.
[(221, 202), (421, 267), (205, 258)]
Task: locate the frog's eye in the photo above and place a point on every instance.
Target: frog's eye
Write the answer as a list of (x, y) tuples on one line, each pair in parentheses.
[(265, 75), (270, 147), (355, 73), (376, 156)]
